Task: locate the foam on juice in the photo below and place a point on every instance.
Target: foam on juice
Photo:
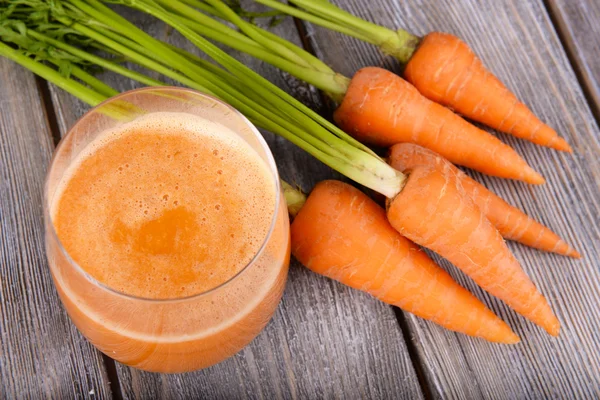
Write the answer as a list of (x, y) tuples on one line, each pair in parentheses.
[(167, 206)]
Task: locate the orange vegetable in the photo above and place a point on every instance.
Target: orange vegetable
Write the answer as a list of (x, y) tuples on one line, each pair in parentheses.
[(434, 211), (511, 222), (343, 234), (445, 70), (383, 109)]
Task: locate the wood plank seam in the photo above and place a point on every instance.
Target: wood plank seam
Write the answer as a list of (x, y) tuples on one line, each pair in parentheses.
[(413, 353), (307, 44), (113, 377), (48, 109), (560, 26)]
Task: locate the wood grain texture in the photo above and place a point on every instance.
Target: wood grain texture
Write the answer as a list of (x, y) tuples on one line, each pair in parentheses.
[(41, 353), (578, 23), (517, 41), (325, 341)]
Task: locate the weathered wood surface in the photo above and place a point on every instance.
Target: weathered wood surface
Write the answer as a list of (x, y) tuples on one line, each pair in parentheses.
[(325, 341), (578, 23), (517, 41), (41, 353)]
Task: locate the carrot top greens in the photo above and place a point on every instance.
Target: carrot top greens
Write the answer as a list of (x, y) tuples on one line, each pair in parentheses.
[(79, 28), (397, 43), (257, 42)]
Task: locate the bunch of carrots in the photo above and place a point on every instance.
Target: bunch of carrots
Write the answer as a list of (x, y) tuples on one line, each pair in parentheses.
[(380, 108), (338, 231)]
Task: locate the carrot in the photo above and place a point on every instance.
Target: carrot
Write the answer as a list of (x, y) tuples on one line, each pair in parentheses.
[(381, 108), (511, 222), (343, 234), (445, 70), (433, 210)]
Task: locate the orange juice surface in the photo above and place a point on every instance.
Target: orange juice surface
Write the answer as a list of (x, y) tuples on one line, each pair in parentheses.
[(167, 207), (161, 211)]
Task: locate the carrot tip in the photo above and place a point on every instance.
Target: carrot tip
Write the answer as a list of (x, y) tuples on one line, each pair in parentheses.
[(512, 339), (533, 177), (507, 336), (552, 327), (573, 253), (561, 145)]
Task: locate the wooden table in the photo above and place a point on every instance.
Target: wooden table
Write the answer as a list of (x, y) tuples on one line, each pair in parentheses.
[(326, 340)]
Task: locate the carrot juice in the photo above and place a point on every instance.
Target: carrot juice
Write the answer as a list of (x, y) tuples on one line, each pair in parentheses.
[(167, 235)]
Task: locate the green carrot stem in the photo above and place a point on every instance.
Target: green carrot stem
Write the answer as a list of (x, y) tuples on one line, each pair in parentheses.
[(315, 19), (138, 57), (151, 46), (315, 62), (140, 35), (328, 11), (294, 198), (11, 32), (86, 94), (213, 74), (84, 55), (248, 29), (287, 120), (399, 44), (333, 84), (201, 5), (205, 64), (363, 161), (93, 82), (266, 37), (206, 25), (191, 13), (202, 63)]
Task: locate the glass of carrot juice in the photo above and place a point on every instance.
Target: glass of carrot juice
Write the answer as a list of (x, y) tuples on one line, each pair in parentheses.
[(166, 230)]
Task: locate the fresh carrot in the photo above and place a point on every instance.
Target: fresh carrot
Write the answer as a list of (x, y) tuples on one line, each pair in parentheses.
[(343, 234), (434, 211), (445, 70), (399, 112), (441, 66), (511, 222), (383, 109)]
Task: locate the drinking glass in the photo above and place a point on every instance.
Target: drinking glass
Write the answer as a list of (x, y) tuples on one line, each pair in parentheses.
[(175, 334)]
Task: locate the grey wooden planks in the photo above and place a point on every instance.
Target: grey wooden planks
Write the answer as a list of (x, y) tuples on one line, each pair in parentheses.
[(517, 41), (325, 341), (577, 21), (339, 326), (41, 353)]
